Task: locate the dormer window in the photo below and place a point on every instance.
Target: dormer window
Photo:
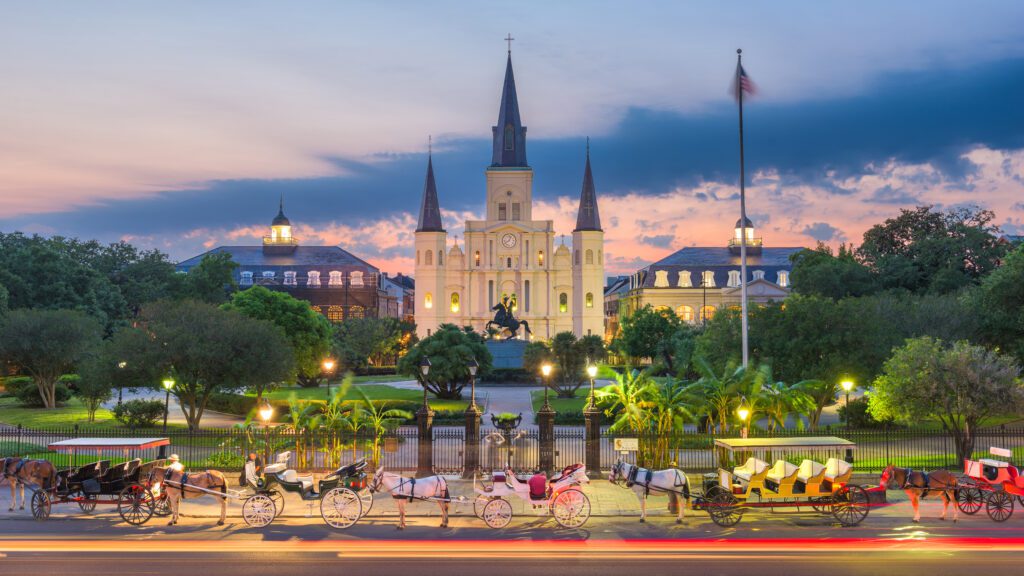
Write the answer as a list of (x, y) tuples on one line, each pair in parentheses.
[(356, 279), (335, 278), (661, 278), (289, 279), (758, 275), (685, 279), (246, 279), (734, 278), (783, 279), (313, 278), (269, 274), (707, 279)]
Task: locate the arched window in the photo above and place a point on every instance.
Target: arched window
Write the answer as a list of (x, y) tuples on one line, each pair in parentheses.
[(590, 257), (476, 258), (540, 257), (685, 313), (510, 137), (335, 278), (600, 258), (313, 278), (335, 314), (317, 309), (490, 294), (428, 258), (508, 262), (590, 299), (707, 313), (734, 278), (428, 300), (440, 257), (417, 257), (356, 278), (563, 302), (455, 303), (356, 312), (526, 295), (576, 257)]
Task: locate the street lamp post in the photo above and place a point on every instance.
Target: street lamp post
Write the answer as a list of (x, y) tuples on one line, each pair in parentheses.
[(471, 454), (168, 384), (744, 413), (545, 371), (425, 423), (592, 373), (266, 412), (472, 366), (120, 384), (328, 369), (847, 386), (546, 424), (592, 428)]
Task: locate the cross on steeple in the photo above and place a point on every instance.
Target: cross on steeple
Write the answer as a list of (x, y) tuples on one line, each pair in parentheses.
[(509, 39)]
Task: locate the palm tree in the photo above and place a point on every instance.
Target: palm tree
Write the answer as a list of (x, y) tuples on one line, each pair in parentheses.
[(671, 409), (822, 394), (779, 400), (380, 420), (628, 401), (302, 416), (717, 396)]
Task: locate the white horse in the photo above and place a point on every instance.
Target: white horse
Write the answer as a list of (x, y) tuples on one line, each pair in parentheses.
[(644, 481), (9, 472), (404, 490)]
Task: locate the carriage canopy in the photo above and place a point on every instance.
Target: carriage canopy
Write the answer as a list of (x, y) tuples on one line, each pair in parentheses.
[(77, 444), (794, 443)]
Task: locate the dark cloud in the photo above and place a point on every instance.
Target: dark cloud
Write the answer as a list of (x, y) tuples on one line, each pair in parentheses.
[(822, 231), (658, 241), (889, 195)]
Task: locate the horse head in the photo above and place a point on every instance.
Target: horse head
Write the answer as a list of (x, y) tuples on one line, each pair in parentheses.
[(888, 477), (615, 475), (378, 479)]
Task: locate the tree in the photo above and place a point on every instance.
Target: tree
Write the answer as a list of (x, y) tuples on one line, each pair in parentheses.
[(308, 332), (358, 340), (449, 349), (999, 305), (627, 401), (648, 333), (212, 280), (778, 400), (205, 350), (716, 396), (961, 386), (93, 389), (46, 344), (922, 250), (568, 357), (820, 273), (380, 418)]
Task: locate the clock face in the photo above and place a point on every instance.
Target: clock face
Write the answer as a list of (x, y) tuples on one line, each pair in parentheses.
[(508, 240)]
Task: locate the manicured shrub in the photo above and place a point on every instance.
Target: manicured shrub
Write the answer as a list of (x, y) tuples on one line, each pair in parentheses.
[(28, 393), (139, 413)]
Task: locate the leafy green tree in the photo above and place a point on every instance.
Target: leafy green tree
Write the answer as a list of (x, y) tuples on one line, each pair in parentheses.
[(357, 340), (206, 350), (45, 344), (568, 357), (961, 386), (923, 250), (648, 333), (628, 401), (778, 400), (449, 349), (999, 305), (4, 301), (212, 280), (819, 272), (535, 355), (716, 396), (380, 417), (308, 332)]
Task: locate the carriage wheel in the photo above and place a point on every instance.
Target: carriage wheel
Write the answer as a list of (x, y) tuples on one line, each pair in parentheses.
[(479, 503), (161, 505), (999, 506), (135, 505), (87, 505), (571, 508), (278, 499), (40, 505), (366, 499), (497, 513), (258, 510), (341, 508), (724, 509), (969, 500), (850, 505)]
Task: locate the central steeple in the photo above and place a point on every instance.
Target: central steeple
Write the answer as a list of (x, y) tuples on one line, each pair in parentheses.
[(509, 134)]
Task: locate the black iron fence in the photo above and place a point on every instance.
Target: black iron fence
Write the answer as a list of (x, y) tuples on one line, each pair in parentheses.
[(323, 450)]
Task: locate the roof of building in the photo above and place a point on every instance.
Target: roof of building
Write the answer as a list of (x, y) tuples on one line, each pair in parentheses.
[(281, 219), (619, 285), (513, 154), (749, 223), (303, 257), (588, 218), (719, 261), (430, 208)]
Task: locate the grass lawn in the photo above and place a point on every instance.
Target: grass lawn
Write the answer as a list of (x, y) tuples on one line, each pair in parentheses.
[(374, 391), (562, 404), (71, 413)]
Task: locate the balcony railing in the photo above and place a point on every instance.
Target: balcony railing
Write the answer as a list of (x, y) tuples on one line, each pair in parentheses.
[(290, 241)]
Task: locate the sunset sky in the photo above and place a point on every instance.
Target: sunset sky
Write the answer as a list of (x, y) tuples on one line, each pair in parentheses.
[(177, 125)]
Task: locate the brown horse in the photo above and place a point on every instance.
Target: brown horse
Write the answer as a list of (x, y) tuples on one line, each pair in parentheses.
[(177, 485), (8, 466), (36, 474), (917, 485)]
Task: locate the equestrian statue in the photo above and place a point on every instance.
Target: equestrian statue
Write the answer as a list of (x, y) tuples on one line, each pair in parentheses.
[(504, 319)]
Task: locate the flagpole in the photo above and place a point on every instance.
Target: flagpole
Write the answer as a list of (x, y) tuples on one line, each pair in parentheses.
[(743, 215)]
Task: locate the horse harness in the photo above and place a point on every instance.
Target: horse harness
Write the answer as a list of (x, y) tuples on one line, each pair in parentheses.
[(412, 490), (631, 479), (907, 472)]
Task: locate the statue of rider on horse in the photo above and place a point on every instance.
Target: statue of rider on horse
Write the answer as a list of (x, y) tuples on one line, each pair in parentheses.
[(504, 319)]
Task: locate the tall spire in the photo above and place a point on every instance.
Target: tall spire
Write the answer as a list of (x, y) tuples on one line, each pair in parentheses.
[(280, 219), (430, 209), (588, 218), (509, 133)]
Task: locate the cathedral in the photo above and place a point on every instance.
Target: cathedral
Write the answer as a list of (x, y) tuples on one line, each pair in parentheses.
[(554, 287)]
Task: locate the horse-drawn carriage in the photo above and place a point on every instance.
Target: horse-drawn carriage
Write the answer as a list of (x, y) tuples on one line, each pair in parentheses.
[(561, 495), (993, 484), (343, 495), (125, 484), (825, 488)]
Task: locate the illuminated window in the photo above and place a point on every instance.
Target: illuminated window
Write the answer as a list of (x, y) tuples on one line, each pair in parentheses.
[(269, 274), (661, 278), (356, 279), (476, 258), (246, 279), (428, 300), (563, 302), (540, 257), (783, 278), (685, 313), (317, 309), (334, 278), (590, 257), (707, 279), (455, 302), (734, 278), (758, 274), (313, 278), (289, 279), (685, 279), (335, 314), (428, 259), (356, 312), (590, 299), (707, 313)]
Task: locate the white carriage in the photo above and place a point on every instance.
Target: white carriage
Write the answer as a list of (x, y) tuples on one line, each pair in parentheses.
[(561, 495)]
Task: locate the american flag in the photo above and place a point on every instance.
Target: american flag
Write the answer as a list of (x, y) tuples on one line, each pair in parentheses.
[(742, 82)]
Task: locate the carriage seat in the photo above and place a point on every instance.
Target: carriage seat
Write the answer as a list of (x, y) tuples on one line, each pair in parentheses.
[(352, 469), (993, 463), (781, 471), (809, 469), (752, 467), (280, 464), (293, 477), (836, 468), (567, 471)]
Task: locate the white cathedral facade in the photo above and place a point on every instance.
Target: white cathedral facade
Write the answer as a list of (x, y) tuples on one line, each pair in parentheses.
[(554, 287)]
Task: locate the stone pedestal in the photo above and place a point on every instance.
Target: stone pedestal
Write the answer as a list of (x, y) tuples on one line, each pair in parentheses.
[(506, 353), (471, 454), (546, 438), (592, 437), (425, 423)]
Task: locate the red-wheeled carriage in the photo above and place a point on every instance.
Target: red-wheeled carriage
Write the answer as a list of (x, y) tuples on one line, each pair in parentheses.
[(994, 484), (125, 485)]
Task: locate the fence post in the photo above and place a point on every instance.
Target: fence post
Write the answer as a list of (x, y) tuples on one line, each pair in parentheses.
[(471, 443), (546, 438), (19, 441), (592, 439), (425, 424)]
